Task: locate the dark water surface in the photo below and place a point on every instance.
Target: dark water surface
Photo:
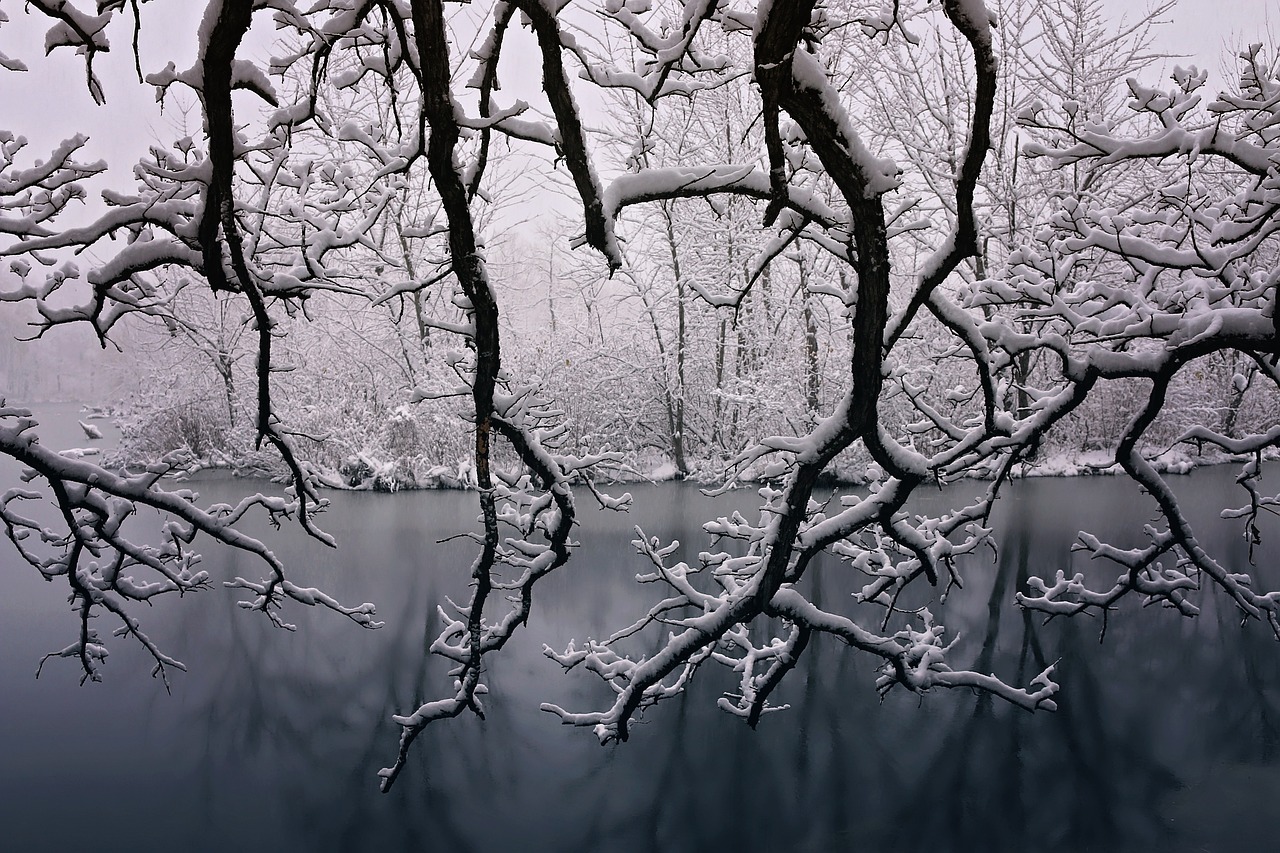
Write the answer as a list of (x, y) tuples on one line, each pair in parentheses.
[(1166, 737)]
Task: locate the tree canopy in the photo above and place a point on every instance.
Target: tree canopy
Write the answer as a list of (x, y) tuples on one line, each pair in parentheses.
[(914, 241)]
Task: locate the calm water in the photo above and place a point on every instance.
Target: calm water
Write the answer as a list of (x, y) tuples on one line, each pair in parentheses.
[(1166, 737)]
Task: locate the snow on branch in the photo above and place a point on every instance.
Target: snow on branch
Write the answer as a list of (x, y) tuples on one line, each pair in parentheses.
[(1144, 247), (106, 569)]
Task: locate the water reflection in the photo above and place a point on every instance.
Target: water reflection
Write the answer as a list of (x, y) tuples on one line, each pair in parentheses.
[(1165, 738)]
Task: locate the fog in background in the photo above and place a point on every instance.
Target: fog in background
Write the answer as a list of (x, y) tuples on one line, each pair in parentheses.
[(69, 364)]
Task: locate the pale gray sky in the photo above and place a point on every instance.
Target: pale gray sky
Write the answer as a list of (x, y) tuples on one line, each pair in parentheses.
[(1211, 31), (50, 102)]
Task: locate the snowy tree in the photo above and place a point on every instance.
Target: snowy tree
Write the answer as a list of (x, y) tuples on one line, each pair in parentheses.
[(284, 205)]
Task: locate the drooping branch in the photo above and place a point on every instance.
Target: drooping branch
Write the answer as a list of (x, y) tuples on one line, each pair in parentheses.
[(572, 138), (793, 81), (537, 505)]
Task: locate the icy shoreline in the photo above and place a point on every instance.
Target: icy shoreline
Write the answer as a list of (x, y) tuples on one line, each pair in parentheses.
[(396, 476), (362, 471)]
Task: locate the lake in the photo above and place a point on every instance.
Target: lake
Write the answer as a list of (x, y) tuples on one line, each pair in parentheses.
[(1165, 738)]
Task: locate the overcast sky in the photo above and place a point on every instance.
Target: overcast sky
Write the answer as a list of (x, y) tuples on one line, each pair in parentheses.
[(50, 102), (1210, 30)]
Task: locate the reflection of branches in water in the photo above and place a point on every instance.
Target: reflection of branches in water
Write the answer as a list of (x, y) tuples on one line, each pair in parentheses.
[(662, 808), (1259, 673), (838, 770), (828, 785), (644, 814), (1106, 767), (1085, 771), (800, 770), (261, 712)]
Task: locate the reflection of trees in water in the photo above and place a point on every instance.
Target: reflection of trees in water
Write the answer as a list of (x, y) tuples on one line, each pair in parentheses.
[(314, 723), (1152, 709), (694, 779), (1259, 666), (703, 783), (990, 777), (1251, 673), (1154, 705)]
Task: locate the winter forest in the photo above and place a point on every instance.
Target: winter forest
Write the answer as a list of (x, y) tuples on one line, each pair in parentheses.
[(825, 259)]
